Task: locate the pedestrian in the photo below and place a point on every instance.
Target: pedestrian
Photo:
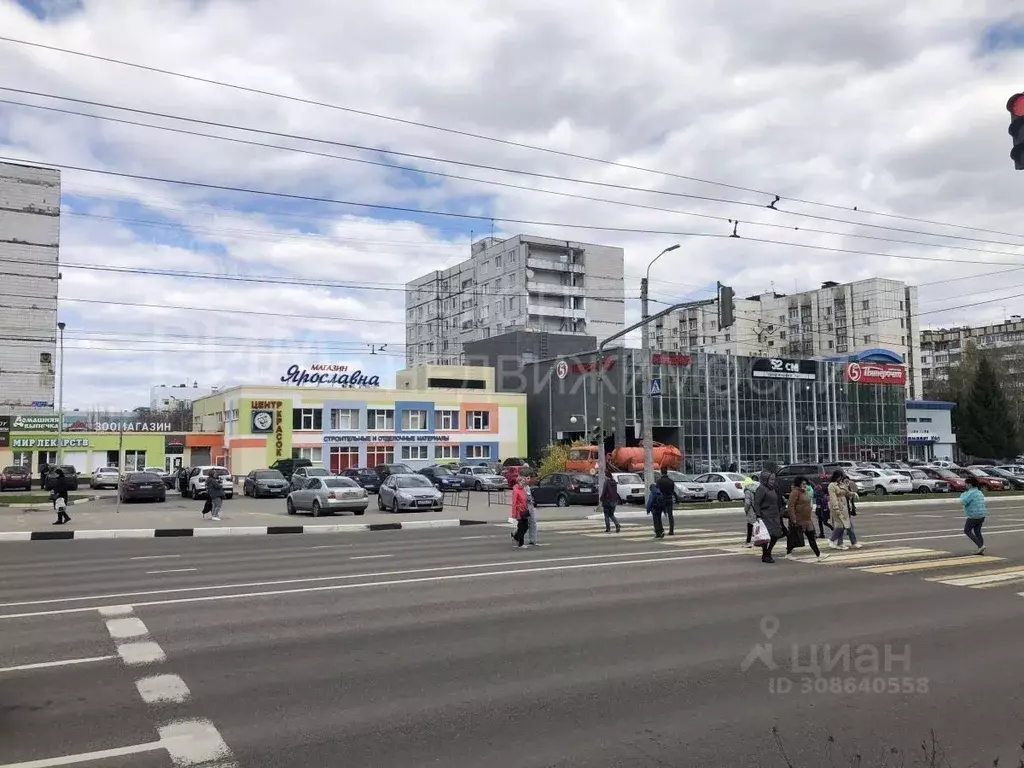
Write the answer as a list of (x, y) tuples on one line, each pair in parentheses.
[(838, 495), (822, 510), (531, 506), (215, 494), (43, 469), (768, 509), (801, 518), (749, 489), (667, 486), (59, 494), (520, 512), (975, 510), (182, 480), (610, 500), (655, 508)]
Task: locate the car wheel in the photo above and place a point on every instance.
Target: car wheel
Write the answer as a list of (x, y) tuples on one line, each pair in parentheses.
[(161, 500), (359, 512), (562, 500), (316, 509), (723, 496), (394, 504), (380, 503), (478, 486), (924, 489), (290, 506), (880, 490)]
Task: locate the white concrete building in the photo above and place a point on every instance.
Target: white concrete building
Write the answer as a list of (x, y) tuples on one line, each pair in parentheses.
[(522, 283), (944, 347), (871, 319), (164, 396), (930, 433), (29, 242)]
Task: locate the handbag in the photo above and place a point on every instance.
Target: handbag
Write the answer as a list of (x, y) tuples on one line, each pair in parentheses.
[(795, 537), (760, 533)]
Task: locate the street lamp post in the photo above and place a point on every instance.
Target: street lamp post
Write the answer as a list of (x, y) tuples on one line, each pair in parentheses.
[(60, 399), (645, 362)]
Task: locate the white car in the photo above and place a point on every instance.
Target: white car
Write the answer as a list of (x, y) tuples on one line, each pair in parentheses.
[(888, 482), (724, 486), (105, 477), (631, 487), (197, 481), (687, 489)]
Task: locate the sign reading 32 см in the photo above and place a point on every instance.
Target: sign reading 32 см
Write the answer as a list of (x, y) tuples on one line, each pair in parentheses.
[(781, 368)]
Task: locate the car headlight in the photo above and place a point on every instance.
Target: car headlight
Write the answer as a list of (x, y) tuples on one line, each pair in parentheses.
[(403, 497)]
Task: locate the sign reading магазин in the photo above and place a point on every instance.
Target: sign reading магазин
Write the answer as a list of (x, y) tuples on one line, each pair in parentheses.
[(402, 438), (329, 374), (73, 423)]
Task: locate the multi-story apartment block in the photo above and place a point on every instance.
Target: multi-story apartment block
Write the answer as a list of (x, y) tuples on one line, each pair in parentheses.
[(29, 239), (522, 283), (874, 318), (943, 348)]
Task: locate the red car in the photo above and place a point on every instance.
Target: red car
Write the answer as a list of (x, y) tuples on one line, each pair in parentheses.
[(511, 472), (15, 477), (956, 482), (985, 480)]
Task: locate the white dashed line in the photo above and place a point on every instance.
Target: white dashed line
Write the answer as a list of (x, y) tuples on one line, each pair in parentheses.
[(136, 654), (116, 610), (163, 689), (153, 557), (369, 557), (125, 628), (172, 570), (195, 743), (48, 664), (88, 757)]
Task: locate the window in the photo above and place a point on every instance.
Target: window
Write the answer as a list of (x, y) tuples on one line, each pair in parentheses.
[(414, 420), (23, 458), (782, 335), (379, 454), (446, 452), (901, 306), (478, 420), (478, 451), (414, 452), (867, 339), (446, 420), (865, 305), (903, 340), (831, 344), (380, 419), (728, 337), (343, 457), (510, 257), (911, 419), (344, 418), (307, 419), (315, 455), (925, 420), (134, 461), (901, 323)]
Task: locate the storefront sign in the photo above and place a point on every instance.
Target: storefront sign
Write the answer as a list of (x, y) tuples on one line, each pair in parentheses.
[(329, 374), (48, 423), (403, 438), (670, 358), (174, 445), (262, 421), (278, 431), (563, 368), (51, 442), (781, 368), (876, 373), (126, 426), (74, 423), (5, 431)]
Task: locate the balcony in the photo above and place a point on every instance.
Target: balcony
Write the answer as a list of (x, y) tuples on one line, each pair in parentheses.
[(553, 289), (563, 312), (550, 265)]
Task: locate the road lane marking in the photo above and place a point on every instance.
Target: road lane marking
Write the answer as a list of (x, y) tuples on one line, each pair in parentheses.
[(146, 652), (153, 557), (900, 553), (489, 536), (116, 610), (62, 663), (999, 575), (195, 742), (172, 570), (163, 689), (947, 562), (88, 757), (369, 557), (939, 516), (125, 628), (331, 546), (390, 583)]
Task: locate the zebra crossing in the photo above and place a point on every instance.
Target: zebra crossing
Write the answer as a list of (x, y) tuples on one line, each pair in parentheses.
[(935, 566)]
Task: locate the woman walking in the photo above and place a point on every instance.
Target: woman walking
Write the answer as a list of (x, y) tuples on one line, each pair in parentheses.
[(531, 508), (59, 494), (610, 500), (975, 509), (748, 507), (520, 512), (768, 509), (838, 502), (801, 518)]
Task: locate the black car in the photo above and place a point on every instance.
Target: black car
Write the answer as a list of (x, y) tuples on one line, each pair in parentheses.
[(385, 471), (442, 478), (70, 477), (143, 486), (265, 482), (366, 478), (15, 477), (1016, 482), (565, 488), (288, 466)]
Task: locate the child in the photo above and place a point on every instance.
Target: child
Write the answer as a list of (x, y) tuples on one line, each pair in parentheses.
[(975, 510)]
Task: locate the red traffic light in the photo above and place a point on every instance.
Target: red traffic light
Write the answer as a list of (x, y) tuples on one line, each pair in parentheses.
[(1016, 105)]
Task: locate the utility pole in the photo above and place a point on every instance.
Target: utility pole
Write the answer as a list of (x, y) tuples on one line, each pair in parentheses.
[(647, 408)]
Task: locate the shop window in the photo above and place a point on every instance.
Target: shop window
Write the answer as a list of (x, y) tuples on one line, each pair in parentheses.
[(343, 457), (23, 458), (445, 452), (344, 418), (380, 454), (380, 419), (414, 420), (307, 419), (478, 420), (414, 453), (134, 461), (478, 451), (315, 455)]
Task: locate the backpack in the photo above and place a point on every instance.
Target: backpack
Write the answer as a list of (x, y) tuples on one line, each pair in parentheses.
[(657, 501)]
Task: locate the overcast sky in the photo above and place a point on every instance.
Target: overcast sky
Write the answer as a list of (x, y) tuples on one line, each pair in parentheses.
[(895, 109)]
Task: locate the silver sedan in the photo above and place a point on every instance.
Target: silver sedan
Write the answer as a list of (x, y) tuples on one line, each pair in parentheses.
[(322, 495), (411, 492)]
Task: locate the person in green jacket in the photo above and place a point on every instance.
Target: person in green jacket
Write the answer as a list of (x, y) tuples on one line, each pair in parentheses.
[(976, 510)]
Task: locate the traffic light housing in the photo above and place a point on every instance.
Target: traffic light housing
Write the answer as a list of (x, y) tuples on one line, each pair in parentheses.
[(726, 316), (1015, 106)]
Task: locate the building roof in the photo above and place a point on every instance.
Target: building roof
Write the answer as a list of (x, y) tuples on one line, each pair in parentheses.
[(930, 405)]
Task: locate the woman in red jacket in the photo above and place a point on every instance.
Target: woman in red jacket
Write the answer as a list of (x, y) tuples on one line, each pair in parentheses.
[(520, 511)]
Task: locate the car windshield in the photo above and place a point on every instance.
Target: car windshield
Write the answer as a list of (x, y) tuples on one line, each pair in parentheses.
[(946, 474), (735, 478), (585, 479), (217, 472), (15, 471), (628, 478), (678, 477), (339, 482), (366, 473), (399, 469), (979, 472), (269, 474), (440, 472), (68, 469), (481, 471), (413, 481), (311, 472), (106, 471)]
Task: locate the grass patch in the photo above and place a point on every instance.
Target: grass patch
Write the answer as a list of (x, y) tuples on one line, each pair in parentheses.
[(35, 498)]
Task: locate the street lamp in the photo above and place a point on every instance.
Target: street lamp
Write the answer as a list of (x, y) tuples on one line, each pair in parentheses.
[(645, 361), (60, 399)]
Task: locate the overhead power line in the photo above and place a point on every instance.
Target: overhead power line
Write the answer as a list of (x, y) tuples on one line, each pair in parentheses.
[(483, 137)]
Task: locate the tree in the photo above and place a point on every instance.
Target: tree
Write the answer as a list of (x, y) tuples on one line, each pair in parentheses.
[(985, 425)]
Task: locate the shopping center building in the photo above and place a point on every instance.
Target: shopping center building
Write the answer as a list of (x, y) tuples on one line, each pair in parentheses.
[(435, 414)]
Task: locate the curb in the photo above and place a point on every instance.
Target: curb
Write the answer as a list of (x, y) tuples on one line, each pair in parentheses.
[(255, 530), (49, 504)]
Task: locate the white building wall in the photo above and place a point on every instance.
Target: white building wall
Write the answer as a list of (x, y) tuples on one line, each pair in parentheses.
[(29, 243)]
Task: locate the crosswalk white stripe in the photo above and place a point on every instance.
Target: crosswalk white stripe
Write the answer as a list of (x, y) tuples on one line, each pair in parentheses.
[(946, 562), (883, 554), (985, 577)]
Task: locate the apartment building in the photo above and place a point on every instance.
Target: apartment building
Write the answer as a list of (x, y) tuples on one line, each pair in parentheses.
[(874, 318), (943, 348), (523, 283), (29, 241)]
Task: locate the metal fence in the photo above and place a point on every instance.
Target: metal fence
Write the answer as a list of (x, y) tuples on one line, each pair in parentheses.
[(458, 498)]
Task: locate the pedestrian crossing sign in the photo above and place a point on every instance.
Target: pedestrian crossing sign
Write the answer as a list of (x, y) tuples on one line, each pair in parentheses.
[(656, 387)]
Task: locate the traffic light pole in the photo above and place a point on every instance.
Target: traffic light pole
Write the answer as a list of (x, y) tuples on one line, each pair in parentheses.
[(645, 382)]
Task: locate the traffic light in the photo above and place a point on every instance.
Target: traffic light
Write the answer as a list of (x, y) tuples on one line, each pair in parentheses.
[(725, 306), (1015, 106)]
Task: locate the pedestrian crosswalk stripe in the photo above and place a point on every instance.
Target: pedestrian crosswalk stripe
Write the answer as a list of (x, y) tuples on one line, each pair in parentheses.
[(694, 541), (983, 578), (900, 553), (946, 562)]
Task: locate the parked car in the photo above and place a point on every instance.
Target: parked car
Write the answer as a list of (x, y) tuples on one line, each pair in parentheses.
[(442, 478), (687, 489), (17, 477), (944, 464), (197, 477), (817, 474), (266, 482), (896, 466), (956, 483), (864, 483), (631, 487), (514, 461), (409, 491), (105, 477), (985, 480), (481, 479), (301, 474), (328, 494), (386, 470), (143, 486), (565, 488), (70, 475), (723, 486), (886, 481), (167, 477), (1013, 469), (364, 477), (923, 483), (1016, 482), (511, 472), (287, 467)]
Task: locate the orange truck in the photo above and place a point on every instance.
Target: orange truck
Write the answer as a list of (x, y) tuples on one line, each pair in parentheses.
[(583, 458)]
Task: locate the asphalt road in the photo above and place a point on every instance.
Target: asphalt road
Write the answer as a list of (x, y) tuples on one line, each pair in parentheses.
[(449, 648)]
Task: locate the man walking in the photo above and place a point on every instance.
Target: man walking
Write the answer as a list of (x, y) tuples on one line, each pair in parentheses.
[(60, 497), (215, 490), (667, 487)]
